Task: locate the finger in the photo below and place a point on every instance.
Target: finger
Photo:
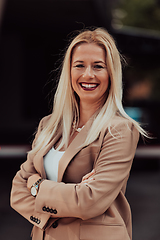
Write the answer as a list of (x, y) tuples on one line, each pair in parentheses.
[(88, 175), (85, 177), (88, 180)]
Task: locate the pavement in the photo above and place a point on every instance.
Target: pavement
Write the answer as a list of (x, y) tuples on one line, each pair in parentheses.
[(143, 194)]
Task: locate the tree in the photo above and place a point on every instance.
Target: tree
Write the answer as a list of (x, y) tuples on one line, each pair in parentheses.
[(138, 13)]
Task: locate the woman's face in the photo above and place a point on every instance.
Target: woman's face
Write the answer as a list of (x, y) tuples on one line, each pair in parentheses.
[(89, 75)]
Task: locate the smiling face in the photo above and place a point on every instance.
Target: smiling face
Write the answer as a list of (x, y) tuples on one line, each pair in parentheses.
[(89, 75)]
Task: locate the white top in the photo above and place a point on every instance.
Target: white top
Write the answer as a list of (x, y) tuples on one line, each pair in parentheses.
[(51, 161)]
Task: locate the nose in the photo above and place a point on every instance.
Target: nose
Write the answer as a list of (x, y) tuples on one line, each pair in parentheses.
[(89, 73)]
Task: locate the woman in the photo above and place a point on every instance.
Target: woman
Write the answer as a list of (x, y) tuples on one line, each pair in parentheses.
[(72, 185)]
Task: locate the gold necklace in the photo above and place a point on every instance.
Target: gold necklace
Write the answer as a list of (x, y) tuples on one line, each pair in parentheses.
[(77, 129)]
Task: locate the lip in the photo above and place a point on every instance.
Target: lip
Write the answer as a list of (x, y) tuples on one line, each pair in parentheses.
[(88, 86)]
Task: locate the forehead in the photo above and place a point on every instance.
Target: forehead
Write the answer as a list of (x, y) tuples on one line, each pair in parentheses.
[(89, 51)]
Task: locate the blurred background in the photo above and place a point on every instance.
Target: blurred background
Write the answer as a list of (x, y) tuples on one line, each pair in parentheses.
[(33, 35)]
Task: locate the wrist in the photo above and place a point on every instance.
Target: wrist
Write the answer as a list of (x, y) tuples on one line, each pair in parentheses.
[(35, 187), (32, 179)]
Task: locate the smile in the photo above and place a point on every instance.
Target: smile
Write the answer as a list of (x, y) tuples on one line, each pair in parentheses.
[(89, 86)]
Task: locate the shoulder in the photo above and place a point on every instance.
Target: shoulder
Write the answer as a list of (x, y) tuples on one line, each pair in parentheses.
[(119, 121), (43, 122), (120, 126)]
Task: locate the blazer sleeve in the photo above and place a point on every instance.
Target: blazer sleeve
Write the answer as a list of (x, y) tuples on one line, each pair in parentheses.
[(111, 172), (21, 199)]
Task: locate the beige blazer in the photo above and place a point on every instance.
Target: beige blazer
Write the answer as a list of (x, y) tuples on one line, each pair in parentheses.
[(72, 211)]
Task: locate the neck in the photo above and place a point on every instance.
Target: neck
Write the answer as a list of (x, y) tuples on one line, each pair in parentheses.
[(86, 112)]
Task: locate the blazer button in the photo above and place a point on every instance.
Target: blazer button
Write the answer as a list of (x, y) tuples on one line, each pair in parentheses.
[(51, 210), (44, 209), (38, 221), (55, 211), (55, 224), (47, 209)]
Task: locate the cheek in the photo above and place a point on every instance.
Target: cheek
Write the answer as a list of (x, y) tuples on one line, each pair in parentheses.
[(106, 81), (73, 80), (74, 76)]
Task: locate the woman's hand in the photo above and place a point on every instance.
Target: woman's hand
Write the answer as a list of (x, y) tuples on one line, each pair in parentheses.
[(88, 177), (32, 179)]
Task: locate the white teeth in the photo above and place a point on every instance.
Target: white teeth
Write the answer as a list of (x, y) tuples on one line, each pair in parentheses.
[(88, 85)]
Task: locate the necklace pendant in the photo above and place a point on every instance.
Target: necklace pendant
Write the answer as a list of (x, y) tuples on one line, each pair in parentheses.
[(79, 129)]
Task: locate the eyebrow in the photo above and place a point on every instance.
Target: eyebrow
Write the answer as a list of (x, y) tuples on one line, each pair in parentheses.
[(100, 62), (78, 61), (94, 62)]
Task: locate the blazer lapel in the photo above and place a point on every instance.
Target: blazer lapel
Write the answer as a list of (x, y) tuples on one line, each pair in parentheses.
[(38, 159), (73, 149)]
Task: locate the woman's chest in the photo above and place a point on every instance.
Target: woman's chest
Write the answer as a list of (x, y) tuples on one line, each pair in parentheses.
[(80, 165)]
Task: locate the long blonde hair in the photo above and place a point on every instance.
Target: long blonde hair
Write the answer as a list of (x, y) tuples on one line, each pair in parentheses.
[(65, 106)]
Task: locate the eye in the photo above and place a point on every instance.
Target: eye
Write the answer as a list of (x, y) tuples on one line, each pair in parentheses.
[(79, 66), (98, 66)]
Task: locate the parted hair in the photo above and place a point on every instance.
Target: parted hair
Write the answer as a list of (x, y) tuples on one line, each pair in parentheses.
[(66, 103)]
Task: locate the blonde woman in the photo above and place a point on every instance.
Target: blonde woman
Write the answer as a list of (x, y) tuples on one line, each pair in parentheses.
[(72, 185)]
